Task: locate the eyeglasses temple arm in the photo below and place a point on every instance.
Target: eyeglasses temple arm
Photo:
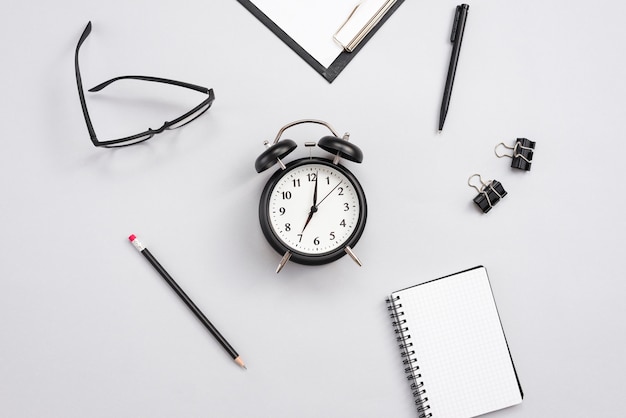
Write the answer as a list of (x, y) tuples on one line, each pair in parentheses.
[(79, 84), (154, 79)]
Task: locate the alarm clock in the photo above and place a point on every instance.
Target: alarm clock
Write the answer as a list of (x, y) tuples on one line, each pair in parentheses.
[(312, 210)]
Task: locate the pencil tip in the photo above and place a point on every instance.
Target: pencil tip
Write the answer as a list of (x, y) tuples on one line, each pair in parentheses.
[(240, 362)]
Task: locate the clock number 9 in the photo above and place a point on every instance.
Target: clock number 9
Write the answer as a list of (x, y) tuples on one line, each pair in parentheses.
[(282, 211)]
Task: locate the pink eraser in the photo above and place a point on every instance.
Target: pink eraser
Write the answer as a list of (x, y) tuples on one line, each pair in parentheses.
[(132, 237)]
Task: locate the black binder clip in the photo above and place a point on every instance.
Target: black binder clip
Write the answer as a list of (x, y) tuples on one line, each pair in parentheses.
[(522, 153), (489, 193)]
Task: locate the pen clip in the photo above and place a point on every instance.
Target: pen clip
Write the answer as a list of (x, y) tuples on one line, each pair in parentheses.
[(455, 25)]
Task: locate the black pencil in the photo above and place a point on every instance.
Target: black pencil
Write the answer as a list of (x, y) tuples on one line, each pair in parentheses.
[(187, 301)]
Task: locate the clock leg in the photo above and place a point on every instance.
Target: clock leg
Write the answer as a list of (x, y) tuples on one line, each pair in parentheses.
[(283, 261), (353, 255)]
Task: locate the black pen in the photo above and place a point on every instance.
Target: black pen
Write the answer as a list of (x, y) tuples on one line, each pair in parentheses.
[(456, 38), (143, 250)]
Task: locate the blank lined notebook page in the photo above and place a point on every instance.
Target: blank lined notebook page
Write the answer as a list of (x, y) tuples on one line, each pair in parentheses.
[(459, 345)]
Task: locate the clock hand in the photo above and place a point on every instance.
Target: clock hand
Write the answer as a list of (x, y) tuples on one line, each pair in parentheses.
[(313, 210), (315, 191), (329, 193), (314, 207)]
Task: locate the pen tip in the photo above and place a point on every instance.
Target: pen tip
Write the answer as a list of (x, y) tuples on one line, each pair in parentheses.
[(132, 237)]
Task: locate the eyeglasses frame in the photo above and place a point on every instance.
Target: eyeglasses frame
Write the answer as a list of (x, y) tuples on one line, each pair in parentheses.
[(149, 133)]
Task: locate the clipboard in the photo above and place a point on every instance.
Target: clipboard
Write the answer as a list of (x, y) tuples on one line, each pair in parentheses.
[(328, 63)]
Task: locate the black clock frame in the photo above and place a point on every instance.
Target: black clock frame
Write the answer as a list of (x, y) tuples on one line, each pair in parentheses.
[(297, 256)]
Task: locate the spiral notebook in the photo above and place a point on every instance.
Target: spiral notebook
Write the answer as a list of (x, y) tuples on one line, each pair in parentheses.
[(456, 355)]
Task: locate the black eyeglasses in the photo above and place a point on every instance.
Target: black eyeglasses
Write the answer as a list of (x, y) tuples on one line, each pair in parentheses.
[(143, 136)]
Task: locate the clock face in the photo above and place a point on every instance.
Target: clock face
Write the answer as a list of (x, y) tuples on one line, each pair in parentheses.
[(313, 208)]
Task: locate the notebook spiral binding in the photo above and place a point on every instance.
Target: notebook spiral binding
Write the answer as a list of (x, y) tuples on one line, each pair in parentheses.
[(407, 354)]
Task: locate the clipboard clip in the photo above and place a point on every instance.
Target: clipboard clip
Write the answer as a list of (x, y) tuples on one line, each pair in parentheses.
[(343, 25), (358, 25)]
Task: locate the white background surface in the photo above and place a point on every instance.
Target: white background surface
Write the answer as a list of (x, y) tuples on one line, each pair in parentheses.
[(88, 328)]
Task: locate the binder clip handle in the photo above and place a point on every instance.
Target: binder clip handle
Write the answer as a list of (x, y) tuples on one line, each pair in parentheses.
[(522, 153), (482, 183), (502, 144), (516, 153)]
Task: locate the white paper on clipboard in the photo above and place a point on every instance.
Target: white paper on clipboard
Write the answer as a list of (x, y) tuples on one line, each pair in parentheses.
[(314, 24)]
